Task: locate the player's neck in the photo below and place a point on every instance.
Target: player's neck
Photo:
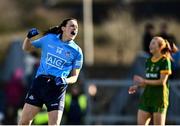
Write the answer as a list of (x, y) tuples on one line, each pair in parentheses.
[(65, 39), (157, 55)]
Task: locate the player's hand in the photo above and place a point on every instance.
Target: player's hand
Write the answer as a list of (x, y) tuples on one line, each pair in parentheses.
[(133, 89), (138, 80), (32, 32), (60, 81)]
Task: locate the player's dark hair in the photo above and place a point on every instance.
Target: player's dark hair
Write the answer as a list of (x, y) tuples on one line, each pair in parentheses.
[(169, 49), (58, 29)]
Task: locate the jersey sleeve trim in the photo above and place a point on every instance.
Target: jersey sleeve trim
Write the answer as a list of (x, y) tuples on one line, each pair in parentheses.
[(166, 72)]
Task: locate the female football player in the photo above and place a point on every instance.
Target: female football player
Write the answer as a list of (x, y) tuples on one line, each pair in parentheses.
[(155, 98), (60, 64)]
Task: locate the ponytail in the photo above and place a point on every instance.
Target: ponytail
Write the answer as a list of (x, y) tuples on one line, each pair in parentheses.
[(53, 30), (169, 49), (58, 29)]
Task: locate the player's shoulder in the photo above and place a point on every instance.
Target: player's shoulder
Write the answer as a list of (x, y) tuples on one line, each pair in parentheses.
[(50, 35), (75, 46), (165, 59)]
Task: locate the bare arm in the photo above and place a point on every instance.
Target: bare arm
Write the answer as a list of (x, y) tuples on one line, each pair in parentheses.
[(27, 46), (74, 76), (161, 81), (142, 82)]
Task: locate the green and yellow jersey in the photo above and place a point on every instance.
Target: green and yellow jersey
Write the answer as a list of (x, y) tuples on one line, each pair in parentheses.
[(155, 98)]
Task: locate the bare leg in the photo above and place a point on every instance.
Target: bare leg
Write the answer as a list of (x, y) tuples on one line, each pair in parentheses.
[(55, 117), (144, 118), (159, 118), (28, 113)]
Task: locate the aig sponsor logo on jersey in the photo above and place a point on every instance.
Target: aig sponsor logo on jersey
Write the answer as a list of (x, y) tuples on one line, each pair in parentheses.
[(55, 61), (151, 75)]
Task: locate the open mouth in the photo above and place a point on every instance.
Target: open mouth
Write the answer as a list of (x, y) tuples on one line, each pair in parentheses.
[(73, 33)]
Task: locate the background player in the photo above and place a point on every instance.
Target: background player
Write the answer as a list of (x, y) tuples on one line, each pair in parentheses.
[(155, 98), (60, 64)]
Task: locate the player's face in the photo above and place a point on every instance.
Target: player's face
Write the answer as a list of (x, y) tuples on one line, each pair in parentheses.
[(70, 30), (154, 46)]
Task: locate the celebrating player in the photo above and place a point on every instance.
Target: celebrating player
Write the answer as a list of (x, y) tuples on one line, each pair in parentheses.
[(155, 98), (60, 64)]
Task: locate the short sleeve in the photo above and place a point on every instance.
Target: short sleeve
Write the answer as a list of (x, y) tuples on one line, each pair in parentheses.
[(78, 62), (166, 66), (38, 43)]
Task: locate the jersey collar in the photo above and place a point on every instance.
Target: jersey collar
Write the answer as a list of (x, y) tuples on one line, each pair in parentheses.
[(156, 59), (65, 42)]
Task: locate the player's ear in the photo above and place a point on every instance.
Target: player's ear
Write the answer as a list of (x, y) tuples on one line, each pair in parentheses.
[(62, 28)]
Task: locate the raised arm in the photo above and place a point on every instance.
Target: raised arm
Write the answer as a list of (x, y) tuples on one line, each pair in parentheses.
[(27, 46)]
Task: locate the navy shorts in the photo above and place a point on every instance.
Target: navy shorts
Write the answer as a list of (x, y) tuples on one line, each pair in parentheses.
[(45, 91)]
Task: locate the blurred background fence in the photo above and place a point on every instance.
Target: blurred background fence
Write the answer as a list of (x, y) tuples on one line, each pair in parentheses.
[(110, 103)]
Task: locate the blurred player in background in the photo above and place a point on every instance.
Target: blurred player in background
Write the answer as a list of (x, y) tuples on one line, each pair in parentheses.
[(60, 64), (155, 98), (149, 33)]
